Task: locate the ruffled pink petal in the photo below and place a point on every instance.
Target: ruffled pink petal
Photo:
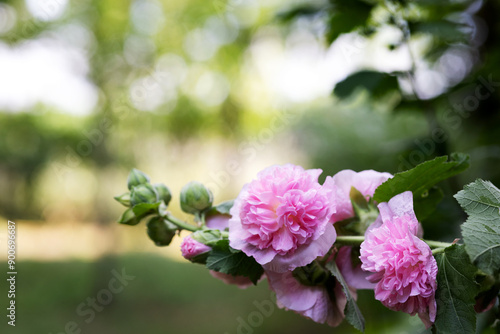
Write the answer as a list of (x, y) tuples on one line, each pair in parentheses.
[(304, 254), (404, 269), (281, 216)]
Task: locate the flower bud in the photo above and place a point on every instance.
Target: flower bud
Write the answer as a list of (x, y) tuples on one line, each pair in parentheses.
[(143, 193), (161, 231), (129, 218), (135, 178), (123, 199), (195, 197), (194, 250), (163, 192)]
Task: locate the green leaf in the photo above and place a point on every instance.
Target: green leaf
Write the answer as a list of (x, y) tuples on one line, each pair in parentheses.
[(481, 231), (421, 180), (377, 83), (456, 290), (352, 311), (447, 30), (296, 12), (346, 16), (221, 209), (224, 259), (143, 209)]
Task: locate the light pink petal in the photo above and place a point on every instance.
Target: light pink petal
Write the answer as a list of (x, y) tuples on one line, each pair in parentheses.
[(355, 277), (367, 181), (241, 282), (218, 222), (290, 293), (304, 254)]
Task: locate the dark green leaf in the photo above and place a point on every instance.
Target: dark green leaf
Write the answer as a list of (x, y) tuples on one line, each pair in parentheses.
[(426, 203), (421, 180), (224, 259), (456, 290), (481, 231), (377, 83), (352, 311), (447, 30), (346, 16), (296, 12)]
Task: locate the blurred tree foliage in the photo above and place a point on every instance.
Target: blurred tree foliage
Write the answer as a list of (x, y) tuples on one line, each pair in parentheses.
[(451, 85), (138, 50)]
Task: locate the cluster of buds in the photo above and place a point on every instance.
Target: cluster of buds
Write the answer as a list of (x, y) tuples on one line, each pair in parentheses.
[(150, 201)]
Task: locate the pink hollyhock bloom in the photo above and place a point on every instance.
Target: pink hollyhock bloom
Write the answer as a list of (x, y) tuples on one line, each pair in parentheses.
[(218, 222), (241, 282), (403, 266), (282, 218), (324, 303), (191, 248), (366, 182)]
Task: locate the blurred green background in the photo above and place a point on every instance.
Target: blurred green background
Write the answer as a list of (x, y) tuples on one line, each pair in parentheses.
[(215, 91)]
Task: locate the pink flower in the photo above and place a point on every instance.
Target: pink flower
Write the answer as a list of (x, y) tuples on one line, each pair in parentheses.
[(282, 217), (191, 248), (322, 303), (403, 266), (366, 182), (354, 276), (218, 222), (241, 282)]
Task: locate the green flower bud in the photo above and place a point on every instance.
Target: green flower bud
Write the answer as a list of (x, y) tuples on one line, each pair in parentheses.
[(161, 231), (123, 199), (195, 197), (129, 218), (163, 192), (135, 178), (143, 193)]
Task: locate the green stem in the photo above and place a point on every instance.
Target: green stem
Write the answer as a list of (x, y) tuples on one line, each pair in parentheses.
[(180, 223), (437, 244), (357, 240), (437, 251), (350, 240)]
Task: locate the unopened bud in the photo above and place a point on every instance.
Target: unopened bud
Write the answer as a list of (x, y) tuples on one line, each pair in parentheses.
[(143, 193), (135, 178), (195, 197), (123, 199), (129, 218), (161, 231), (164, 193)]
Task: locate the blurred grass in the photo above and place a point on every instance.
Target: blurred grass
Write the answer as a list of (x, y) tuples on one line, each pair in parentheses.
[(165, 297)]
